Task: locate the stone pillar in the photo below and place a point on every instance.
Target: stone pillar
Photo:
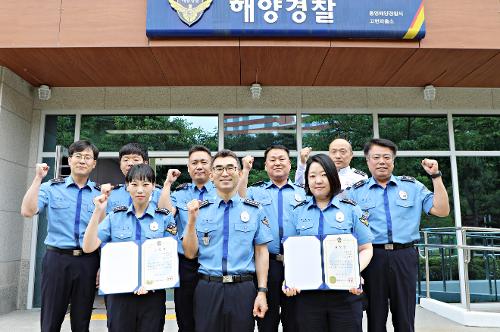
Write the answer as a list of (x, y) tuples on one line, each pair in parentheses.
[(16, 115)]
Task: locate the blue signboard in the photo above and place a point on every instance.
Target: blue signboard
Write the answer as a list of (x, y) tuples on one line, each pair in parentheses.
[(379, 19)]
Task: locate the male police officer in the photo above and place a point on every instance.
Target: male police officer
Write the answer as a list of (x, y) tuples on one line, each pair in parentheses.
[(68, 275), (226, 233), (394, 206), (278, 197), (130, 154), (340, 151), (201, 188)]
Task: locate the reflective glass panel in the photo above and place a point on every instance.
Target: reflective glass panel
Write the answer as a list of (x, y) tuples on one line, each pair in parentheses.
[(415, 132), (156, 132), (59, 130), (477, 133), (257, 132), (318, 130)]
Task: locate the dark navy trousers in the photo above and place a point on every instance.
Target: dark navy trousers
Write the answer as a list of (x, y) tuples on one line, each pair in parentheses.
[(68, 279), (184, 294), (280, 306), (329, 311), (224, 307), (390, 282)]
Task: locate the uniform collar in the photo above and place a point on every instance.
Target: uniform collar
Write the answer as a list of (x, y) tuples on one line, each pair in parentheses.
[(345, 170), (334, 201), (372, 182), (69, 181), (270, 184), (149, 210), (209, 186), (233, 201)]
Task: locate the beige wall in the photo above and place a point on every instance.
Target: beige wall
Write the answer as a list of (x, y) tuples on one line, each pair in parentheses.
[(67, 23)]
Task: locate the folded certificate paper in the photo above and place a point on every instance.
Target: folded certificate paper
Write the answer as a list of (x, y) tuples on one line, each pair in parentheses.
[(322, 262), (126, 266)]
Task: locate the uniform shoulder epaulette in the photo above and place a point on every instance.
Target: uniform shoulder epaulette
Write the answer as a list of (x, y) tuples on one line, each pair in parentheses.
[(301, 185), (348, 201), (118, 186), (163, 211), (56, 180), (120, 208), (304, 202), (158, 186), (357, 171), (251, 202), (407, 178), (204, 203), (182, 186), (97, 186), (257, 184), (359, 184)]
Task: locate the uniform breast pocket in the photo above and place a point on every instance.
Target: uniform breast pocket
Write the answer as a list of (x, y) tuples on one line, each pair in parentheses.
[(404, 203), (206, 232), (121, 234), (340, 228), (154, 234), (304, 227), (244, 232), (59, 204), (366, 205), (90, 207), (264, 201)]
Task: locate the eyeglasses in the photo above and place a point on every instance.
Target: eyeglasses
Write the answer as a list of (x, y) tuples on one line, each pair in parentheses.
[(230, 169), (79, 156), (378, 157)]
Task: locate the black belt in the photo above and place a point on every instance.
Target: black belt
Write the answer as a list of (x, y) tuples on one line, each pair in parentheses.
[(394, 246), (276, 257), (71, 252), (228, 278)]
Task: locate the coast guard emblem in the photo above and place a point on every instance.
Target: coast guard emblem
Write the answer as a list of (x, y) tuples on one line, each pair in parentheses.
[(190, 11)]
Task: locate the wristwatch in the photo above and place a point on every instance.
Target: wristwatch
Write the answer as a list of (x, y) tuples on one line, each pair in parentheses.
[(262, 289), (436, 175)]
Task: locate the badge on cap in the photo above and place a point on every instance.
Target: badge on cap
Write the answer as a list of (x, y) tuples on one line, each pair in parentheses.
[(403, 194), (153, 226), (339, 216), (245, 216), (298, 198)]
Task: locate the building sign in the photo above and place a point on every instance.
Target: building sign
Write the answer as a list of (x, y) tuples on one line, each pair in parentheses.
[(373, 19)]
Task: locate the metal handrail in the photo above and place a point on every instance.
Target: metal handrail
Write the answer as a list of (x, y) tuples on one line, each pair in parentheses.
[(467, 253)]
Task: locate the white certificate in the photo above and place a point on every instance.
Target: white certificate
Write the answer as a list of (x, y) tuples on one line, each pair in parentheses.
[(341, 262), (321, 262), (126, 266)]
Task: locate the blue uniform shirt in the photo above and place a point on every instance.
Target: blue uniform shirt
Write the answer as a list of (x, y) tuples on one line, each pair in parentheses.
[(69, 209), (119, 196), (182, 196), (394, 211), (278, 205), (122, 225), (339, 217), (227, 234)]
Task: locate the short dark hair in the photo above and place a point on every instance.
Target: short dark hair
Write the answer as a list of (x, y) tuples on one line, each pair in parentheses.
[(134, 148), (278, 147), (81, 145), (227, 153), (142, 172), (381, 142), (330, 170), (196, 148)]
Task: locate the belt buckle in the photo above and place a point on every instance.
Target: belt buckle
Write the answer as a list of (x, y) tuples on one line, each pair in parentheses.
[(389, 246), (279, 257), (227, 279), (77, 252)]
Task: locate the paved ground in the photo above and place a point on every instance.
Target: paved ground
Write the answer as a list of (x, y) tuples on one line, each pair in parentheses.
[(27, 321)]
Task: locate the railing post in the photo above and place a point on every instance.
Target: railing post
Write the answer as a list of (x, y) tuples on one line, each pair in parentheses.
[(467, 257), (427, 281)]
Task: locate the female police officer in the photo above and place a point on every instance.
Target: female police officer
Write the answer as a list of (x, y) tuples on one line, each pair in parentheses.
[(139, 221), (334, 310)]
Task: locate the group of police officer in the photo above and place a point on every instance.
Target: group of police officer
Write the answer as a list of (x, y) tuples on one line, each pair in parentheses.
[(230, 234)]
